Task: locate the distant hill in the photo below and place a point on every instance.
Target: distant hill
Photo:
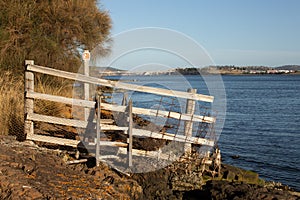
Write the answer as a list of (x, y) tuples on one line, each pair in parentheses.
[(108, 69), (236, 70), (104, 71), (289, 67)]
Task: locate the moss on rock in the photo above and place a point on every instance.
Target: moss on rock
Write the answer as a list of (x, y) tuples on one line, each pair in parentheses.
[(232, 173)]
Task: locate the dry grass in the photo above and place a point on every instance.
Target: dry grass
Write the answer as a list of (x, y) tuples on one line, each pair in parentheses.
[(12, 101), (54, 86)]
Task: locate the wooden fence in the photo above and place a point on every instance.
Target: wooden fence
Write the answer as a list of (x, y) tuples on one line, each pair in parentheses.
[(105, 125)]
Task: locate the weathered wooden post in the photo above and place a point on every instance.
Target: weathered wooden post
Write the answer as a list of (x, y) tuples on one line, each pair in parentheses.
[(124, 100), (28, 105), (188, 125), (129, 139), (86, 58), (98, 129)]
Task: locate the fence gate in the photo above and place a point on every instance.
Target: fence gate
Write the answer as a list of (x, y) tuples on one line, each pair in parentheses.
[(114, 137)]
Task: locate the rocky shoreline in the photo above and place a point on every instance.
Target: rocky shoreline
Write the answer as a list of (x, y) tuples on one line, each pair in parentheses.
[(28, 171)]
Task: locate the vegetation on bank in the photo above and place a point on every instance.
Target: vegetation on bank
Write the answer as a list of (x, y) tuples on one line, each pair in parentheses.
[(53, 33), (236, 70), (12, 100), (11, 103), (210, 70)]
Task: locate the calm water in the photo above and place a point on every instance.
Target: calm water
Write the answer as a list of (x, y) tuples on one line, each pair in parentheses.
[(262, 123), (263, 126)]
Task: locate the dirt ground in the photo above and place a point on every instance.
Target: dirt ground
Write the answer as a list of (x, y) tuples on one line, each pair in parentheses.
[(31, 172), (28, 171)]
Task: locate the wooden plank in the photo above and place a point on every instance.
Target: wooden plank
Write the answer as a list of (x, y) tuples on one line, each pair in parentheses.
[(60, 99), (106, 127), (86, 86), (124, 100), (170, 136), (122, 149), (150, 154), (130, 126), (69, 142), (121, 85), (70, 122), (157, 154), (135, 132), (29, 102), (53, 140), (57, 120), (109, 157), (118, 108), (70, 162), (207, 162), (106, 121), (188, 125), (160, 113), (98, 130), (165, 136), (109, 143)]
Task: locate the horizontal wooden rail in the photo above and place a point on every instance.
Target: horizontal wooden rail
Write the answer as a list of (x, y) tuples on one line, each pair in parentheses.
[(121, 150), (136, 132), (118, 108), (151, 154), (159, 113), (71, 122), (53, 140), (69, 142), (173, 137), (60, 99), (118, 84), (57, 120), (107, 124)]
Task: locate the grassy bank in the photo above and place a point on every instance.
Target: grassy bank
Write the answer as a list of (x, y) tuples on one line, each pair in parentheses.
[(11, 103), (12, 100)]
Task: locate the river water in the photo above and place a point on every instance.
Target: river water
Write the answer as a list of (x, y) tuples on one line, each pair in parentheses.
[(262, 122)]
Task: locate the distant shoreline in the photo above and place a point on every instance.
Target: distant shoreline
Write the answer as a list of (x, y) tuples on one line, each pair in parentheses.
[(211, 70), (243, 74), (206, 74)]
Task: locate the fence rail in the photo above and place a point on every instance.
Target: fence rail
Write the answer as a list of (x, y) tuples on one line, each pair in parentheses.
[(119, 85), (119, 108), (107, 124)]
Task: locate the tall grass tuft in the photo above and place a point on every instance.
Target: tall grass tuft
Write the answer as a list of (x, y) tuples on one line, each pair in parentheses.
[(53, 86), (11, 103)]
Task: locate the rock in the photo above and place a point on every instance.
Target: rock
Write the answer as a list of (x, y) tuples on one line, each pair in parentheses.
[(43, 176), (231, 173), (224, 190), (28, 168), (34, 194)]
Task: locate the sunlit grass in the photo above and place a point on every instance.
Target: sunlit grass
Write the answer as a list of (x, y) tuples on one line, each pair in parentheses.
[(53, 86), (12, 100), (11, 103)]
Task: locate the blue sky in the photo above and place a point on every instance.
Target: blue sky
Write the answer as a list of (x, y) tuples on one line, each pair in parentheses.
[(234, 32)]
